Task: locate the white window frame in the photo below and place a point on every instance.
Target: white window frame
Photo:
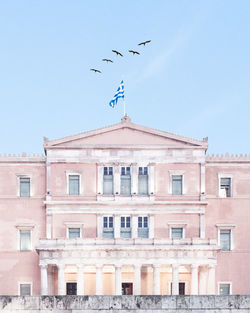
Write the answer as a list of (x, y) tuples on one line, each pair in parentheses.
[(226, 227), (131, 178), (74, 225), (148, 176), (80, 183), (102, 181), (24, 227), (177, 225), (224, 282), (225, 175), (176, 173), (25, 283), (19, 176)]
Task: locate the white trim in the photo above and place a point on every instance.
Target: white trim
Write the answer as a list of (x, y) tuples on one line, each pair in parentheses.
[(26, 283), (74, 225), (224, 282), (220, 191), (182, 225), (19, 238), (226, 227), (69, 173)]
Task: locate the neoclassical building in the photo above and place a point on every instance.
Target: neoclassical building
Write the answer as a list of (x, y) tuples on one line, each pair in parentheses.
[(124, 209)]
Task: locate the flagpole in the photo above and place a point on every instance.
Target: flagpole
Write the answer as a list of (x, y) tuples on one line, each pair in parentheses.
[(124, 107)]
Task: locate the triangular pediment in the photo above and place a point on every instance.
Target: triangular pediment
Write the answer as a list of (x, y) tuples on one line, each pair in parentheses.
[(125, 133)]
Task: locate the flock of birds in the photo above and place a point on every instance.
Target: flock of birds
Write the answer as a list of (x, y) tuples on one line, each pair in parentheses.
[(121, 55)]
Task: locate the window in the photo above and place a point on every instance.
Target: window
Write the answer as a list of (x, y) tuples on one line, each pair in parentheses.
[(108, 181), (74, 232), (176, 232), (225, 187), (108, 227), (24, 185), (74, 185), (125, 181), (25, 289), (181, 289), (143, 181), (225, 239), (125, 227), (25, 240), (143, 227), (177, 184), (224, 289)]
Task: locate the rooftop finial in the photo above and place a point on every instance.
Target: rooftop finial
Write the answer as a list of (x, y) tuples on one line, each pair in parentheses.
[(126, 119)]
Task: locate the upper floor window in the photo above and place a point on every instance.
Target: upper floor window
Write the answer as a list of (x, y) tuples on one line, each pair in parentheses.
[(108, 227), (177, 232), (74, 232), (143, 181), (125, 181), (125, 227), (225, 239), (24, 240), (143, 231), (177, 184), (108, 188), (24, 186), (25, 289), (74, 184), (225, 187)]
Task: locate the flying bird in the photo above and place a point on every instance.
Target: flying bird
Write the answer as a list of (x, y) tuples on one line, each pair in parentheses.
[(94, 70), (144, 43), (108, 60), (117, 53), (134, 52)]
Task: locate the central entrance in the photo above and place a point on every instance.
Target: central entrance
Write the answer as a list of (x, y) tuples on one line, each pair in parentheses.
[(127, 288)]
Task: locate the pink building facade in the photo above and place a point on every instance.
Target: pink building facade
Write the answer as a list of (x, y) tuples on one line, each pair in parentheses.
[(124, 209)]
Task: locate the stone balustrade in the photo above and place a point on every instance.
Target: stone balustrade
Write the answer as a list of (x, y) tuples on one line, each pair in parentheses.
[(122, 304)]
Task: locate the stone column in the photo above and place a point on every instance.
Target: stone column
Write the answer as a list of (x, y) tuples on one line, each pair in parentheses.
[(80, 279), (117, 226), (134, 178), (44, 280), (61, 280), (194, 279), (48, 226), (202, 281), (118, 280), (175, 279), (134, 226), (99, 282), (211, 280), (99, 226), (151, 226), (157, 280), (137, 280)]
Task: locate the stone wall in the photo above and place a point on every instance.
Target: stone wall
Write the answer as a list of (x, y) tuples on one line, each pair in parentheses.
[(122, 304)]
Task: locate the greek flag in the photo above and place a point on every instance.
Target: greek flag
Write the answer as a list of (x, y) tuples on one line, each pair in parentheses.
[(119, 94)]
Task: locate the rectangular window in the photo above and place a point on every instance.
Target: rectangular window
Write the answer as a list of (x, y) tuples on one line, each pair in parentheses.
[(225, 187), (143, 231), (74, 232), (24, 186), (74, 185), (108, 181), (225, 239), (125, 227), (224, 289), (125, 181), (25, 240), (143, 181), (108, 227), (176, 232), (177, 184), (25, 289)]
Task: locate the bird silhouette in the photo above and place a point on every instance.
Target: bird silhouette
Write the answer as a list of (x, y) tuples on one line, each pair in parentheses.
[(108, 60), (94, 70), (117, 52), (144, 43), (134, 52)]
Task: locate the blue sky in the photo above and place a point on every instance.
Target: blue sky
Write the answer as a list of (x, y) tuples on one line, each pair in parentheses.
[(193, 79)]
